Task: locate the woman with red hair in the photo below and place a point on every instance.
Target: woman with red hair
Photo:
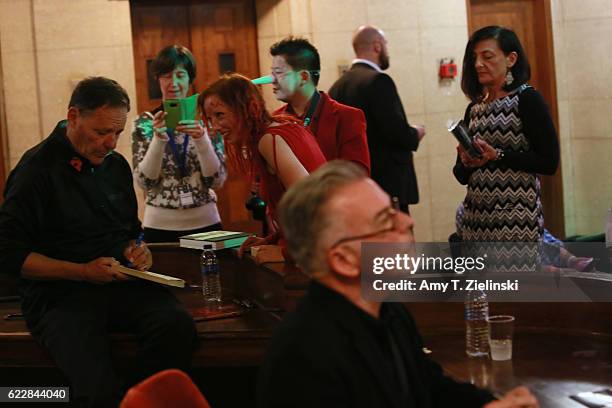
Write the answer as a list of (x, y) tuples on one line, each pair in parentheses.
[(280, 151)]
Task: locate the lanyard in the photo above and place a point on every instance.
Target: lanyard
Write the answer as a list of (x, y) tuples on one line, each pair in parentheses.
[(311, 109), (182, 159)]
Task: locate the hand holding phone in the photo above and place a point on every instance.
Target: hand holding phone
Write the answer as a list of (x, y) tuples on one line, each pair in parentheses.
[(159, 125), (180, 109), (194, 128)]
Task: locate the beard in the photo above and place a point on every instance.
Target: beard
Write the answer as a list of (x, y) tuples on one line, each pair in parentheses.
[(384, 61)]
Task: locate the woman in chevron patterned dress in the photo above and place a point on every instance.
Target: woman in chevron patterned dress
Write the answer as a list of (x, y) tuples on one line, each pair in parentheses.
[(514, 131)]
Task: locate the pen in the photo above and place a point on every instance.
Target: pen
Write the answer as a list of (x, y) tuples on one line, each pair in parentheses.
[(137, 243), (140, 238)]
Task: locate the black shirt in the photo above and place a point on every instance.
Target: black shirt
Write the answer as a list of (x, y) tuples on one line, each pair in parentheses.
[(330, 353), (396, 362), (58, 204)]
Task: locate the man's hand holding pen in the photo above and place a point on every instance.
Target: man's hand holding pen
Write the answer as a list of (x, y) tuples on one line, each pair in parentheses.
[(138, 254), (104, 269)]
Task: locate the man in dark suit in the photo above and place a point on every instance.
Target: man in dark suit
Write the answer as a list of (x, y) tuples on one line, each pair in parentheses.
[(391, 138), (337, 349), (340, 130)]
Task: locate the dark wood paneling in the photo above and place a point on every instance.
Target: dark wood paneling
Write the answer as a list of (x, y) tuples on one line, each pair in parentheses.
[(209, 29), (551, 364), (153, 28), (559, 348), (227, 27), (4, 161)]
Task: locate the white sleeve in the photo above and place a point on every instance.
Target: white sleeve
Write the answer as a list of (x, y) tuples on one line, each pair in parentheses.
[(209, 162), (150, 166)]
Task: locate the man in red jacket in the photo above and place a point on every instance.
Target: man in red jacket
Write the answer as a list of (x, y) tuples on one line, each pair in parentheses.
[(339, 129)]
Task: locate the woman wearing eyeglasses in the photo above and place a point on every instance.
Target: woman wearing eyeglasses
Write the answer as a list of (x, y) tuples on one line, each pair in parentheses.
[(279, 151)]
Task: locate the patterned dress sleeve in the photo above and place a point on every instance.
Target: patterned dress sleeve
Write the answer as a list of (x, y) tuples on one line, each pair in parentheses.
[(141, 141)]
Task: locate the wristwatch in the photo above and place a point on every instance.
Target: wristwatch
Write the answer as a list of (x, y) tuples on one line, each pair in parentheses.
[(500, 154)]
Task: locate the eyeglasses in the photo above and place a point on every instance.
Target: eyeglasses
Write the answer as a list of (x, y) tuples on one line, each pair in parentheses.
[(390, 213), (280, 74)]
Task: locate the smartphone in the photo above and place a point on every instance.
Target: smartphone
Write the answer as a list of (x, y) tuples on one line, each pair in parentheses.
[(462, 134), (173, 110), (180, 109)]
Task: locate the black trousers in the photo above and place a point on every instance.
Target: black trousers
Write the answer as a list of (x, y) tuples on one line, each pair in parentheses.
[(157, 235), (75, 332)]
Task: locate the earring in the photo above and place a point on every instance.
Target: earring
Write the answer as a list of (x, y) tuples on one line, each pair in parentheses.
[(509, 78)]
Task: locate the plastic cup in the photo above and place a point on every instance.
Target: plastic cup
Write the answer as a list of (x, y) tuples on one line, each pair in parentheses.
[(501, 329)]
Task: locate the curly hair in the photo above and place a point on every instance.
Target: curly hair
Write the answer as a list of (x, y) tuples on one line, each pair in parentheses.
[(244, 99)]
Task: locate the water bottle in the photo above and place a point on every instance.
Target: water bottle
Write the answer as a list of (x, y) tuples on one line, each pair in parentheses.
[(477, 329), (211, 281)]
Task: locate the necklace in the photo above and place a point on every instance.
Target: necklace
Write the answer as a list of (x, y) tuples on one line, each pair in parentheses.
[(487, 96)]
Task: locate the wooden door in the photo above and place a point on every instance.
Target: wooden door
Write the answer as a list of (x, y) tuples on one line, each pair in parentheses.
[(222, 37), (4, 161), (531, 20)]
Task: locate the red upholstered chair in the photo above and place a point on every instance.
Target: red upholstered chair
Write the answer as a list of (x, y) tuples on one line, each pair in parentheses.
[(166, 389)]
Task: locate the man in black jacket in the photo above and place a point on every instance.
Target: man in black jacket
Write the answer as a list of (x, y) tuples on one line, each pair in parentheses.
[(69, 217), (337, 349), (391, 139)]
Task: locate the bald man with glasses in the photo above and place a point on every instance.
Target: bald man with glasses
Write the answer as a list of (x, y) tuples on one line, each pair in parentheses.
[(337, 349)]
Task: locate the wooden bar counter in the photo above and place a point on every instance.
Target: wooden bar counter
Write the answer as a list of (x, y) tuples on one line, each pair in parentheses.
[(554, 365), (559, 349), (236, 341)]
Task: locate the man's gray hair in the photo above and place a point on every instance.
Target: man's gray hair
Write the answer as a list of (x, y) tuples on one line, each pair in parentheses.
[(302, 211)]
